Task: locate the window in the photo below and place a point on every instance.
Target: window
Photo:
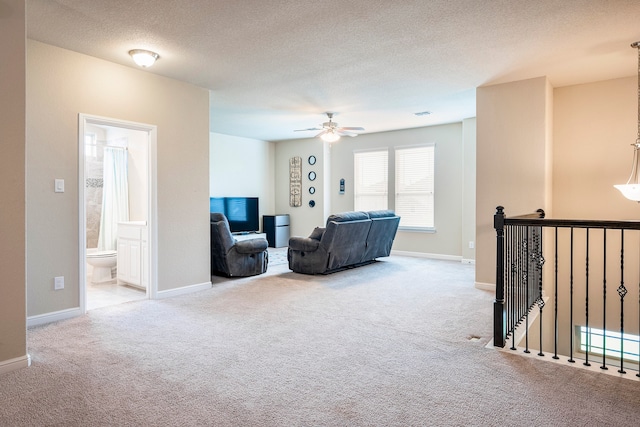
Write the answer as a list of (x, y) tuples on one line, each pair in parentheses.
[(370, 180), (414, 187), (597, 342)]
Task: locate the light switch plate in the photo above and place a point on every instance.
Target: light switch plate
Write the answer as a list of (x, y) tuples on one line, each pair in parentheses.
[(59, 185), (58, 283)]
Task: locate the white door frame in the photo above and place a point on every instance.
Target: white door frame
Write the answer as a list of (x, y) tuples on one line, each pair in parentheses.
[(152, 201)]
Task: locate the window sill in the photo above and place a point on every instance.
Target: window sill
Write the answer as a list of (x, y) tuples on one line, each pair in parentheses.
[(428, 230)]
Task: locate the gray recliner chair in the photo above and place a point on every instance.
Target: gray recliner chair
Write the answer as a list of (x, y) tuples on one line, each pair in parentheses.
[(232, 258)]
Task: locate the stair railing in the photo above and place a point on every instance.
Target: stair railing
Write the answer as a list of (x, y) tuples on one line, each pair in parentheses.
[(520, 282)]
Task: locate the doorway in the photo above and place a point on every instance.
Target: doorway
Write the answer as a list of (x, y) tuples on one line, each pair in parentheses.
[(118, 211)]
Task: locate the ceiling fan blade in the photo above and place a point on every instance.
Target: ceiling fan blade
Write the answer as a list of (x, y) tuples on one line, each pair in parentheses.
[(321, 133), (304, 130), (342, 132), (352, 128)]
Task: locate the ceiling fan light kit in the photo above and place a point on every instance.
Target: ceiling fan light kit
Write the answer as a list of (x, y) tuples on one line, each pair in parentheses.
[(331, 131)]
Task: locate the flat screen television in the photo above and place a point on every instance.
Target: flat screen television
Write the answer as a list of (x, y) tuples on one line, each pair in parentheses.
[(242, 212)]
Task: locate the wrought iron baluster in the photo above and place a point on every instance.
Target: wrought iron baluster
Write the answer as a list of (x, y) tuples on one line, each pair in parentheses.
[(539, 265), (604, 301), (526, 290), (586, 302), (571, 301), (514, 280), (555, 286), (622, 291)]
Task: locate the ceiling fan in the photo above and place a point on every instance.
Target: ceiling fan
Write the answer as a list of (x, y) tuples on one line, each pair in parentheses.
[(331, 131)]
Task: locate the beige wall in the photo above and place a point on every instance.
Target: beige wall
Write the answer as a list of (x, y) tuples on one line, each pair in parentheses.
[(304, 218), (335, 161), (13, 348), (242, 167), (512, 159), (60, 85), (595, 125), (469, 189)]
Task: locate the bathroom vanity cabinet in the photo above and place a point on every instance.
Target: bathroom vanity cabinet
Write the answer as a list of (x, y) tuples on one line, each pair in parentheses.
[(133, 253)]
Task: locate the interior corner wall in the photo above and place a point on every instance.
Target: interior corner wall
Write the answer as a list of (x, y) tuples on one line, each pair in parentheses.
[(595, 126), (13, 326), (60, 85), (512, 133), (242, 167), (303, 219)]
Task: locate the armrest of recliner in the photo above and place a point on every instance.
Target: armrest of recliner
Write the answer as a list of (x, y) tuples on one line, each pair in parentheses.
[(251, 246), (303, 244)]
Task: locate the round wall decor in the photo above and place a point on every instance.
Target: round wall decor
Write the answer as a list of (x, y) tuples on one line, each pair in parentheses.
[(312, 176), (312, 160), (312, 203), (312, 190)]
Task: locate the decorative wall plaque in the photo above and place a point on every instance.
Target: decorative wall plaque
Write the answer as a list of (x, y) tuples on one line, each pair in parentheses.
[(295, 182)]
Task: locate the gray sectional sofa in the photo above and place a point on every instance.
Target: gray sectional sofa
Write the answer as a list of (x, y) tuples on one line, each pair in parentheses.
[(349, 239)]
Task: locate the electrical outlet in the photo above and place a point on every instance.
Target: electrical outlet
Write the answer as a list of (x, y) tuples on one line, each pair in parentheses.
[(471, 244), (58, 283)]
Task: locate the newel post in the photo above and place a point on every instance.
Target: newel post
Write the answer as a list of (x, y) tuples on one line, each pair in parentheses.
[(499, 315)]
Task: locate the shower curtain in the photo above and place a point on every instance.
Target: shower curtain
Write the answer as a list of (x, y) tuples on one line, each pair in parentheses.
[(115, 197)]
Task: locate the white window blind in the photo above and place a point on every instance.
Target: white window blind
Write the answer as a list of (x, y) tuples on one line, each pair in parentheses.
[(414, 186), (370, 180)]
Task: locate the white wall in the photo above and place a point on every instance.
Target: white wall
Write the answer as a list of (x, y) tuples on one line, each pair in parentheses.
[(13, 348), (242, 167), (62, 84)]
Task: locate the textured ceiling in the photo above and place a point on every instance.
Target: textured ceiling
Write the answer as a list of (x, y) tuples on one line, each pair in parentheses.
[(273, 66)]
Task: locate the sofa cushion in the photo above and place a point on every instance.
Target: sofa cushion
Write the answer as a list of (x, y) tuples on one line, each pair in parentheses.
[(317, 233), (347, 216), (303, 244), (251, 246), (381, 214)]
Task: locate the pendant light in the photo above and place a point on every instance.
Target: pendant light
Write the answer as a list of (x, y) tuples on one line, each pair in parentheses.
[(631, 190)]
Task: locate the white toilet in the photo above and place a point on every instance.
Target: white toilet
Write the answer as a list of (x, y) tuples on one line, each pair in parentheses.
[(102, 263)]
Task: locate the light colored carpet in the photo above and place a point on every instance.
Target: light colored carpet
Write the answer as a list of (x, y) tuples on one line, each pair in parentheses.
[(382, 345), (277, 256)]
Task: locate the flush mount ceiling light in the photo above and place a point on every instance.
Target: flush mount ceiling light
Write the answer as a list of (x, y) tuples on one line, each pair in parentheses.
[(144, 58), (631, 190)]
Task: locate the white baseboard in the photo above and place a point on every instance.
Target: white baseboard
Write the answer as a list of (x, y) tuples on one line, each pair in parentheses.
[(427, 255), (184, 290), (486, 286), (15, 364), (468, 261), (55, 316)]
